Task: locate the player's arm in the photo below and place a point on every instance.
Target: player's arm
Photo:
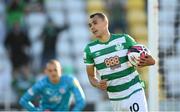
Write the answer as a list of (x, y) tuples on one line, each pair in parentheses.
[(25, 100), (102, 84), (143, 61), (78, 95), (146, 61), (88, 60)]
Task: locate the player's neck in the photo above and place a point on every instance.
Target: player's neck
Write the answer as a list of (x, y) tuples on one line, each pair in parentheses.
[(55, 81), (105, 37)]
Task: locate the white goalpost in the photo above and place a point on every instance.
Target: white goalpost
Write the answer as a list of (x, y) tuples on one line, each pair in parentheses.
[(153, 37)]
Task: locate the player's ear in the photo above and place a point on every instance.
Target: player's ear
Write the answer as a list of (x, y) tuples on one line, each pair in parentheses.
[(105, 22)]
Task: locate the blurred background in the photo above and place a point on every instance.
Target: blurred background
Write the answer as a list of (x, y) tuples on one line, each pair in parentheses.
[(34, 31)]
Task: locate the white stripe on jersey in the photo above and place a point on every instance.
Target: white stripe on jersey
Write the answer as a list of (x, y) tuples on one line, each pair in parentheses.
[(98, 47), (106, 71), (118, 40), (30, 91), (125, 92), (123, 80), (119, 53)]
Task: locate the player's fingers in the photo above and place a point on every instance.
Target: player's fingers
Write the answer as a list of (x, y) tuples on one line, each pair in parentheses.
[(103, 81), (46, 111), (103, 85), (141, 64), (103, 88), (142, 58), (148, 56), (134, 58)]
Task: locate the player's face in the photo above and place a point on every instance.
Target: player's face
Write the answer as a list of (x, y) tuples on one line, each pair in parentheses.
[(53, 71), (97, 26)]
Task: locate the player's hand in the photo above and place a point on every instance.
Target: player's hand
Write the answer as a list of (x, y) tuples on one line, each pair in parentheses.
[(102, 85), (146, 61)]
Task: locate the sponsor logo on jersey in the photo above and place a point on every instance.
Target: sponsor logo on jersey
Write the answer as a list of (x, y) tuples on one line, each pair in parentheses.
[(55, 99), (62, 90), (112, 62)]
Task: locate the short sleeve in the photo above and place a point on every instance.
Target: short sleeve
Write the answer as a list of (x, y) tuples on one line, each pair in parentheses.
[(88, 59), (130, 41)]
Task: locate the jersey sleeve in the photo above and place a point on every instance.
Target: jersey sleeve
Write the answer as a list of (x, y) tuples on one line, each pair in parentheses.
[(78, 95), (88, 59), (130, 41), (25, 100)]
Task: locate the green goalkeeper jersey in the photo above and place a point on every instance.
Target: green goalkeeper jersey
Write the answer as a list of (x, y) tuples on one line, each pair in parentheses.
[(111, 62)]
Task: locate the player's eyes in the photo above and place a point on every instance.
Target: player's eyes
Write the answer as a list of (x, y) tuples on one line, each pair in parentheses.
[(94, 22), (53, 70), (50, 70)]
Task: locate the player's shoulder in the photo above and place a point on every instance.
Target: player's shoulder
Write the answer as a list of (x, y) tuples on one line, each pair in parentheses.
[(127, 37), (42, 82), (67, 77), (118, 35), (91, 43)]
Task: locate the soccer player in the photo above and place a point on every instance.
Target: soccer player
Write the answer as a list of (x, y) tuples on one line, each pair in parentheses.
[(54, 91), (108, 56)]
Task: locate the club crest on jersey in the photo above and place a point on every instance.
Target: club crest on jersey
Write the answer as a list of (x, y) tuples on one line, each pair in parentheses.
[(97, 53), (62, 90), (119, 47)]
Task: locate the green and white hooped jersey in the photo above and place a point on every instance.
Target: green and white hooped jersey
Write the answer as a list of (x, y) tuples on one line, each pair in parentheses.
[(111, 61)]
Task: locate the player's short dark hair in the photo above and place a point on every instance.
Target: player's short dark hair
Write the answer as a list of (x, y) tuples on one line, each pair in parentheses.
[(99, 14), (52, 61)]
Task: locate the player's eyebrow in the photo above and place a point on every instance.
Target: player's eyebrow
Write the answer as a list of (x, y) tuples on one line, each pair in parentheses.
[(92, 22)]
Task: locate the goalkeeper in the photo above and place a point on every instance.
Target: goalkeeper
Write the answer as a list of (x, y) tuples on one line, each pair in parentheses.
[(54, 91)]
